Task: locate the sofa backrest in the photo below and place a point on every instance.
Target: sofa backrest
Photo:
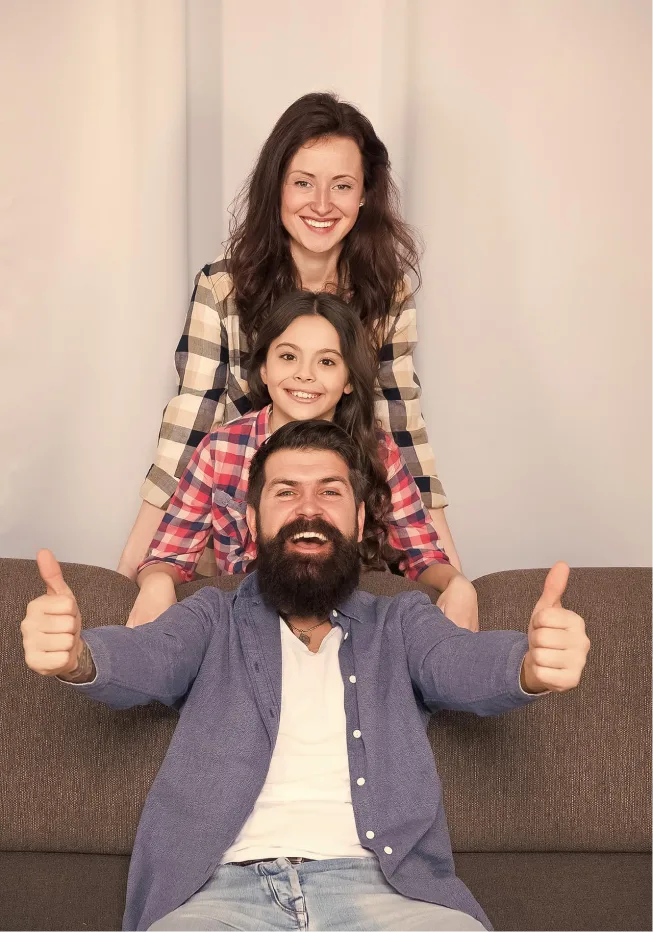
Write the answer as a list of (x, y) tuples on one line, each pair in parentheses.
[(568, 773)]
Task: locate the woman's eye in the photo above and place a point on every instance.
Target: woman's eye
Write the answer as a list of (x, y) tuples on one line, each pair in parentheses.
[(302, 183), (344, 187)]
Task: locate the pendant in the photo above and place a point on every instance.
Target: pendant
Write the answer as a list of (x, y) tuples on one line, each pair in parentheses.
[(304, 638)]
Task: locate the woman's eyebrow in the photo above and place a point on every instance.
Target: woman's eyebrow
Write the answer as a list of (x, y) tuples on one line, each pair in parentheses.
[(300, 171)]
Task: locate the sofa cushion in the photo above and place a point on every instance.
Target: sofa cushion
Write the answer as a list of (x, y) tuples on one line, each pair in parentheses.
[(518, 891)]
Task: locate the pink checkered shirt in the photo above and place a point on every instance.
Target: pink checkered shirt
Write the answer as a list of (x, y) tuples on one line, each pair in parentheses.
[(211, 494)]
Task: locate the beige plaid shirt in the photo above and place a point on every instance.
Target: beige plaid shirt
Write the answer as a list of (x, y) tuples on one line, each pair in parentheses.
[(210, 360)]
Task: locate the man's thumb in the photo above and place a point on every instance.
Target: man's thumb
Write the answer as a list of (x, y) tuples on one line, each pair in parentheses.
[(554, 586), (51, 573)]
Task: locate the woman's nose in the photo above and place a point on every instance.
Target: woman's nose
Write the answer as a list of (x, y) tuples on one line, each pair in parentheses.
[(321, 203)]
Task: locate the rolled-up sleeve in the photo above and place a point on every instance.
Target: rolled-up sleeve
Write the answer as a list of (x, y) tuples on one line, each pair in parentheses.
[(186, 526), (202, 361), (410, 528), (398, 404)]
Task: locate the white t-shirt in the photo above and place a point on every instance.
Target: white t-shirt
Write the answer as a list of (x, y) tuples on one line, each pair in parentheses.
[(304, 808)]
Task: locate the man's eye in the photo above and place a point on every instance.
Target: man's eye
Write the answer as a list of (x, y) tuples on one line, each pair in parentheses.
[(332, 492), (284, 493)]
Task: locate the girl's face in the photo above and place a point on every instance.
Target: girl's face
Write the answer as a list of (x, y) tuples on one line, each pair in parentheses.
[(322, 193), (304, 371)]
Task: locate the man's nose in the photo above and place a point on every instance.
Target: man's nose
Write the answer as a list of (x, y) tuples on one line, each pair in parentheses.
[(308, 507)]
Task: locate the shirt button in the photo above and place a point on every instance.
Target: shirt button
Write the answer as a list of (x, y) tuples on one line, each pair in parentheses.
[(369, 834), (352, 678), (356, 733), (360, 781), (334, 613), (388, 849), (346, 635)]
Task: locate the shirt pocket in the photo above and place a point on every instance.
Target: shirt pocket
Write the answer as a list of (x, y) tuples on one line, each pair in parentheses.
[(229, 517)]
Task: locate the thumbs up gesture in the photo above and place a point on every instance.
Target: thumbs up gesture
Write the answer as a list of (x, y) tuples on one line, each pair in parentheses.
[(557, 643), (52, 625)]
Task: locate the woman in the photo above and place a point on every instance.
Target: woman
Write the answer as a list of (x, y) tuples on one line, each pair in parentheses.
[(319, 212), (310, 360)]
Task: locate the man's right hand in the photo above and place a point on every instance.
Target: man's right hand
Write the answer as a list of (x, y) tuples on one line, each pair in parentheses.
[(52, 625)]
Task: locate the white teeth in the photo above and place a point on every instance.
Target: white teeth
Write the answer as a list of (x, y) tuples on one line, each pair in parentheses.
[(320, 224), (311, 534), (304, 395)]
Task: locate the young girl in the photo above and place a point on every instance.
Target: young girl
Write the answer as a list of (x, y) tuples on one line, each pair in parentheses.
[(310, 360), (319, 212)]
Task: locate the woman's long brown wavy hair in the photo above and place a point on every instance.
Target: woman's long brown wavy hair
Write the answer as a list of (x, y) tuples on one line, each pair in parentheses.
[(355, 410), (378, 251)]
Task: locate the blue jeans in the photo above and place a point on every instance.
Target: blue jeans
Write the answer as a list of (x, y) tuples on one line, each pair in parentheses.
[(341, 894)]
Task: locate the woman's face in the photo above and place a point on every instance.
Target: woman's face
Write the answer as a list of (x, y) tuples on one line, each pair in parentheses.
[(304, 371), (322, 193)]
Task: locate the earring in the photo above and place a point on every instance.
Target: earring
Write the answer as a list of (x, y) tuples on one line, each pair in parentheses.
[(361, 203)]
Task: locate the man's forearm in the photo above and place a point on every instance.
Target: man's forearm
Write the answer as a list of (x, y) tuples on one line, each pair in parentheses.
[(85, 671)]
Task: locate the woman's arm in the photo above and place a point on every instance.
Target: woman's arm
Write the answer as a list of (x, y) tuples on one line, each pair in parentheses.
[(399, 410), (147, 521), (202, 361)]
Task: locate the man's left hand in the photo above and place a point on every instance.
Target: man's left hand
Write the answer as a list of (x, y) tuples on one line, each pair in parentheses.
[(459, 603), (557, 643)]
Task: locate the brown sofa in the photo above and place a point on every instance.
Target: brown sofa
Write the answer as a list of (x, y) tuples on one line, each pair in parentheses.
[(548, 807)]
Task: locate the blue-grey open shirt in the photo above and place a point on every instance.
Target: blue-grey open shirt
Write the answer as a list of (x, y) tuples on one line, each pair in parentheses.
[(217, 656)]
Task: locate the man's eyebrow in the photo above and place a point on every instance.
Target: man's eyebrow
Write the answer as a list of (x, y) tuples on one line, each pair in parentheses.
[(301, 171), (326, 349), (296, 482)]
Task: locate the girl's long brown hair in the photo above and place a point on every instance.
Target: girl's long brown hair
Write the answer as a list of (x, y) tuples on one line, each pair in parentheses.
[(354, 412), (377, 252)]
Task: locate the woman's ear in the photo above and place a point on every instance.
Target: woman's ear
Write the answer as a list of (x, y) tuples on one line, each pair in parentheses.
[(347, 390), (264, 374)]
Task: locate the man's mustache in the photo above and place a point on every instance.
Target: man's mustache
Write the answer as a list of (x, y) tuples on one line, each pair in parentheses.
[(303, 525)]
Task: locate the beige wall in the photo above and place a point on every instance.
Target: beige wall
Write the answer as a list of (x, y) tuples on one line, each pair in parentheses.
[(520, 130)]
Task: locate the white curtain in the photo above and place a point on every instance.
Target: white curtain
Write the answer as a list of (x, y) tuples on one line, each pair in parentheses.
[(520, 135)]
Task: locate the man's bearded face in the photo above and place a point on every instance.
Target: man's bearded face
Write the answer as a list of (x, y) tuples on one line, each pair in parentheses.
[(307, 568), (307, 527)]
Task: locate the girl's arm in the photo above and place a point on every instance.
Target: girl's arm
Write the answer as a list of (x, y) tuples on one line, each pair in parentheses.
[(410, 529), (202, 361), (439, 522), (179, 540)]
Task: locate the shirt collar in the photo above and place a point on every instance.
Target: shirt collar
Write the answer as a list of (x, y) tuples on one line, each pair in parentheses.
[(262, 428)]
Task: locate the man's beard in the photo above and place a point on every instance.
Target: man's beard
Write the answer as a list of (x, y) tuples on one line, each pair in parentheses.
[(310, 584)]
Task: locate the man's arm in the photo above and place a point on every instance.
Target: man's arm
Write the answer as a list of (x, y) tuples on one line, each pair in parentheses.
[(119, 666), (493, 671)]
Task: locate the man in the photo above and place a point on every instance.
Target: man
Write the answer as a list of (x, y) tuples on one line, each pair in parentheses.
[(299, 789)]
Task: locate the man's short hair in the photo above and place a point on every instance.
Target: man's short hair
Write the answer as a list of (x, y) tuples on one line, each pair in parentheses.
[(307, 435)]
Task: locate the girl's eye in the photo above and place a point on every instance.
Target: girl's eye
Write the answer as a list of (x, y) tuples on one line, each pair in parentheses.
[(327, 361), (288, 357)]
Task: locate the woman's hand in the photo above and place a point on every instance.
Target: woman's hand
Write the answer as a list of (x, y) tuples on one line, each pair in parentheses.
[(156, 596), (459, 603)]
